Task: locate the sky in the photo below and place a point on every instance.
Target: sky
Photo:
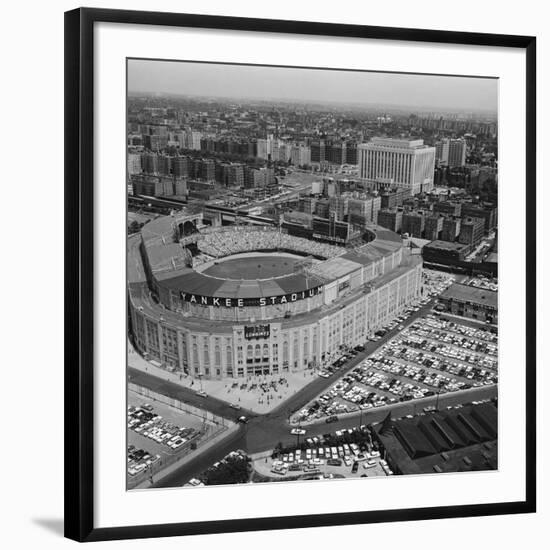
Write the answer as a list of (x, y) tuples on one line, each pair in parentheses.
[(287, 84)]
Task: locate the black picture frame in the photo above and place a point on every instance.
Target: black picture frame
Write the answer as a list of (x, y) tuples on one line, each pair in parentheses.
[(79, 269)]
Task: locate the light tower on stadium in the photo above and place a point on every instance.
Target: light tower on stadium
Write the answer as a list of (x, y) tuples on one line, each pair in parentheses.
[(304, 267)]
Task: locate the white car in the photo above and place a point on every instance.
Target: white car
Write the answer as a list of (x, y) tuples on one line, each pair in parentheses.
[(297, 431)]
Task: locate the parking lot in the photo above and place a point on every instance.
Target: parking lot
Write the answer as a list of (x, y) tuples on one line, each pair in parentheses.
[(431, 356), (343, 454), (156, 432), (485, 283)]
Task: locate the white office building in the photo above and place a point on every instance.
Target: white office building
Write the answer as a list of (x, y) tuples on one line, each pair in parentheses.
[(300, 155), (265, 148), (194, 140), (399, 162)]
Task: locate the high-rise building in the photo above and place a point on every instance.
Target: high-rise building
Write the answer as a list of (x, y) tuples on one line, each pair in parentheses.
[(318, 151), (180, 166), (471, 231), (391, 218), (307, 204), (399, 162), (134, 163), (433, 226), (230, 174), (158, 186), (451, 152), (457, 153), (450, 229), (265, 148), (208, 170), (165, 165), (486, 211), (149, 163), (338, 206), (413, 223), (363, 209), (390, 198), (155, 142), (351, 153), (281, 151), (194, 141), (258, 177), (442, 152), (322, 208), (335, 152), (300, 155), (448, 208)]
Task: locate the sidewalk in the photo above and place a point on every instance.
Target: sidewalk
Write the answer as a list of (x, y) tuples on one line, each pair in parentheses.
[(414, 406), (255, 399), (146, 484)]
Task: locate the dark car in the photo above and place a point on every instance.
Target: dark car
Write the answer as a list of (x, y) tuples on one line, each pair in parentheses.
[(355, 467), (331, 419)]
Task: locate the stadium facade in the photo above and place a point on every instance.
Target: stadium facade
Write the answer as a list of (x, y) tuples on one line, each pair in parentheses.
[(186, 315)]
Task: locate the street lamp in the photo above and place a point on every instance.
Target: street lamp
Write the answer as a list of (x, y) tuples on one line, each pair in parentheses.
[(437, 400)]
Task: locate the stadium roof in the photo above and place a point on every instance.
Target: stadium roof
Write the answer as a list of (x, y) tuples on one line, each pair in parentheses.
[(336, 267), (135, 272), (167, 260)]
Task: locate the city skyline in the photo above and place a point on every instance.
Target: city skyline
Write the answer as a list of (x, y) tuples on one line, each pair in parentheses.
[(359, 88)]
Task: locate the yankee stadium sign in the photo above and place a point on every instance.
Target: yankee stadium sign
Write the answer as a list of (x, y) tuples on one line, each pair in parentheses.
[(251, 302)]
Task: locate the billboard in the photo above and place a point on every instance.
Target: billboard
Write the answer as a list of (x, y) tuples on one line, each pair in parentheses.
[(256, 331), (251, 302)]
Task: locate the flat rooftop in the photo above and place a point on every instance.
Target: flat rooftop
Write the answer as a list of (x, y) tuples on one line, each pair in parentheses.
[(446, 245), (471, 294), (409, 143)]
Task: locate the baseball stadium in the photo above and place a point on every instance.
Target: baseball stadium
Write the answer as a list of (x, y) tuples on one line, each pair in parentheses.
[(235, 301)]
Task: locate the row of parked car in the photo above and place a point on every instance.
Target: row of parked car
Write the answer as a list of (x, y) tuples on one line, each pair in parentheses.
[(312, 459), (423, 339), (470, 344), (435, 282), (412, 366), (486, 334), (484, 283), (139, 460), (144, 421)]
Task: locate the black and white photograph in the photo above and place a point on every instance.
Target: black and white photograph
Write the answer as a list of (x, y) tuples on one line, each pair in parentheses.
[(274, 275), (312, 274)]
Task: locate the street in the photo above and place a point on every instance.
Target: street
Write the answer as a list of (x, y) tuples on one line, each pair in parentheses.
[(263, 432)]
